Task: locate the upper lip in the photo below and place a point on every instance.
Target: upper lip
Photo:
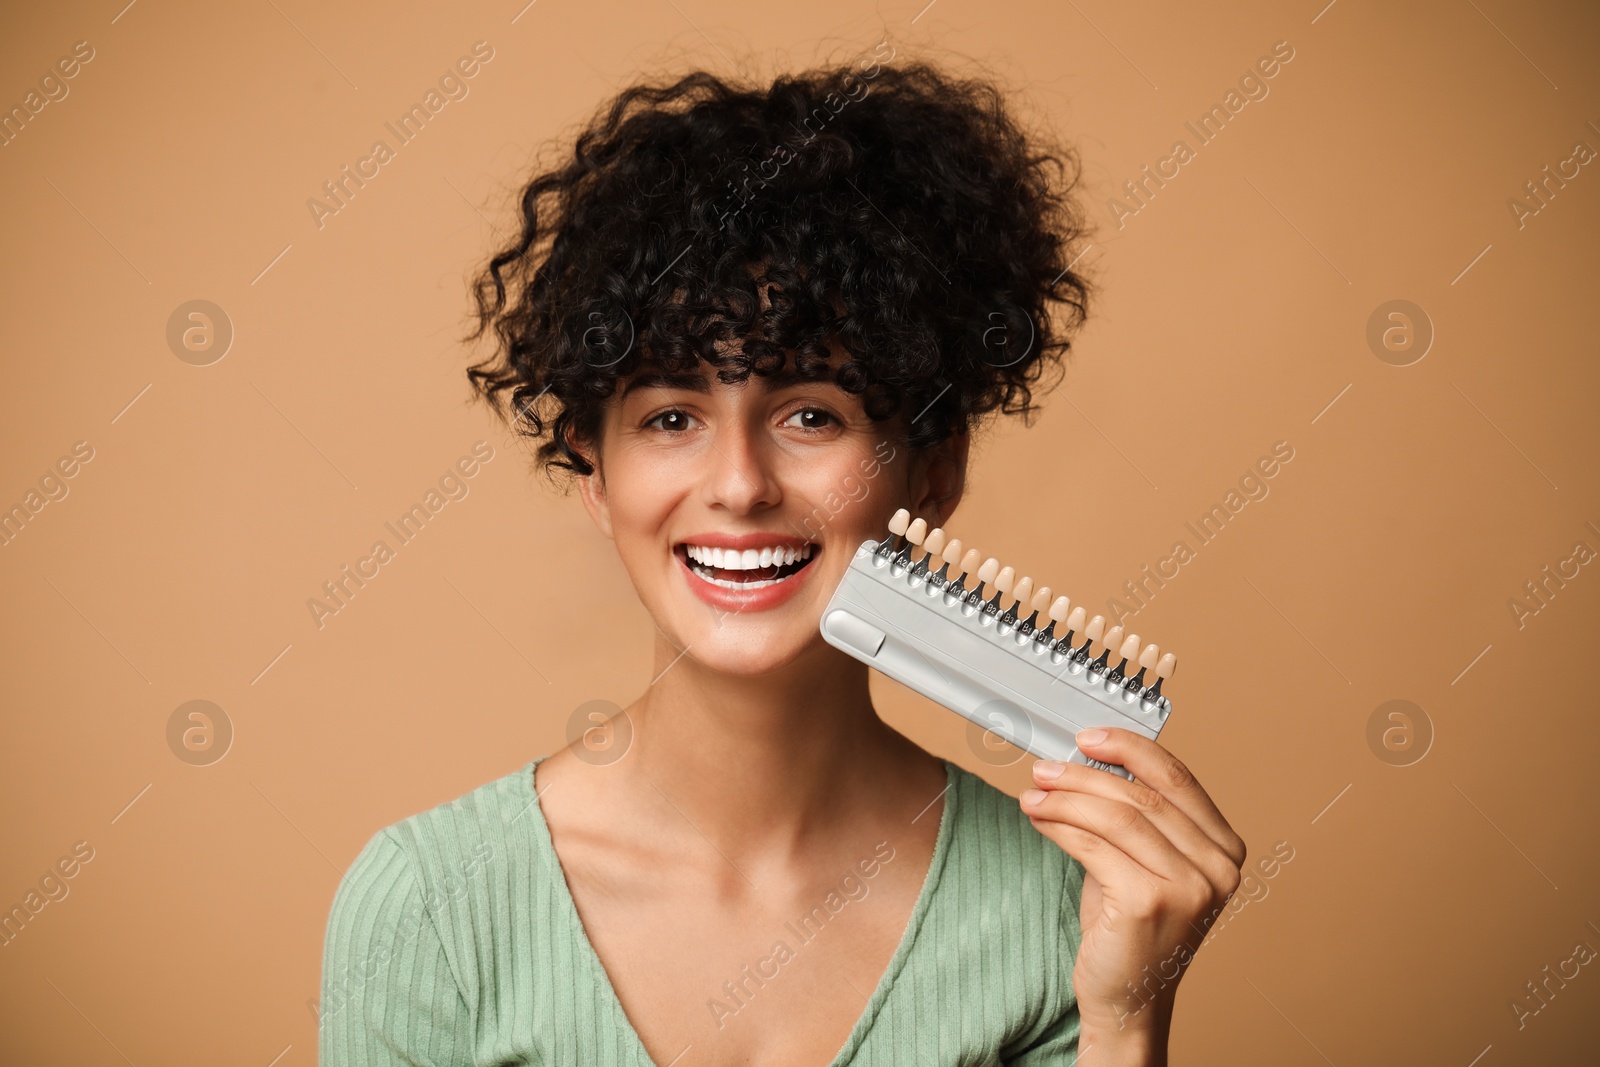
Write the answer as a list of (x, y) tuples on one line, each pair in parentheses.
[(743, 541)]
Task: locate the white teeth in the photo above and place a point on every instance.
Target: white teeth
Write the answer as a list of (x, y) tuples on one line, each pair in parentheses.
[(747, 560), (724, 583)]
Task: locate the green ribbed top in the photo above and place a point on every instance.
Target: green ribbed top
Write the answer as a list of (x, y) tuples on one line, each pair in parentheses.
[(453, 940)]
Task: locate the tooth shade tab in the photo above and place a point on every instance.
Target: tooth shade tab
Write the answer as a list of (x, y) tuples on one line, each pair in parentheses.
[(933, 544), (1023, 591), (898, 521), (952, 553), (987, 572), (1130, 647), (917, 531), (1147, 660), (1041, 599), (1058, 609), (1096, 628), (1075, 620), (1168, 664), (969, 561), (1113, 638), (1004, 579)]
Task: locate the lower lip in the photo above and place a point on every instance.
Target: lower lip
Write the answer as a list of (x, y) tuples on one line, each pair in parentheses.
[(768, 596)]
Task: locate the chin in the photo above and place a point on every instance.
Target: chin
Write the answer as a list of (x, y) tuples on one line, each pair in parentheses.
[(751, 650)]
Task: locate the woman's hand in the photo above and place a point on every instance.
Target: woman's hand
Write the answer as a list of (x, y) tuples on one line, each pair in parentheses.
[(1159, 858)]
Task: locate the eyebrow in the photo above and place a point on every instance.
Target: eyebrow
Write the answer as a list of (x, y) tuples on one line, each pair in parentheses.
[(698, 382)]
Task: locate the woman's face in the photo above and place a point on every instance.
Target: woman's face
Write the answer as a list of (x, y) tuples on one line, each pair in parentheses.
[(707, 488)]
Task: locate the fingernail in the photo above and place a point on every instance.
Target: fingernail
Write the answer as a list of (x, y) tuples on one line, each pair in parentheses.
[(1048, 768), (1033, 796), (1091, 737)]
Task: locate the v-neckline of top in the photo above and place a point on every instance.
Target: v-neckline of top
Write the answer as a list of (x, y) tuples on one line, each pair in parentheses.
[(569, 908)]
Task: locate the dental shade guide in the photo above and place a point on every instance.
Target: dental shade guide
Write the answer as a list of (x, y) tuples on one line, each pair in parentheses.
[(995, 668)]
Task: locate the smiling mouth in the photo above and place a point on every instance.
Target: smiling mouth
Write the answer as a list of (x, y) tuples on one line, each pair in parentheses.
[(746, 578)]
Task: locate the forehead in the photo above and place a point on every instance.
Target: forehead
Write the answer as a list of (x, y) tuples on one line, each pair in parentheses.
[(701, 380)]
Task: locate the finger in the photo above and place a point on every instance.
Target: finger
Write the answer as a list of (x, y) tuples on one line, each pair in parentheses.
[(1154, 765), (1123, 825), (1102, 860), (1200, 850)]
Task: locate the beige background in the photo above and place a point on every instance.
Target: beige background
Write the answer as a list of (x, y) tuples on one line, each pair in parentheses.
[(1233, 315)]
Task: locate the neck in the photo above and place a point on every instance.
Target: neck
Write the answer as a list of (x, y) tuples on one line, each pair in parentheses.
[(759, 765)]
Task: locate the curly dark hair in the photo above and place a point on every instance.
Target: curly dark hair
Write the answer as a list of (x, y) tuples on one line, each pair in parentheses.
[(899, 211)]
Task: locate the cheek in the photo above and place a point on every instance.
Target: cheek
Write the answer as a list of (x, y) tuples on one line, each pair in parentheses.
[(642, 490), (843, 498)]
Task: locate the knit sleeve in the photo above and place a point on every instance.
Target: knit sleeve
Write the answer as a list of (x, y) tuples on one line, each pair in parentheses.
[(389, 996)]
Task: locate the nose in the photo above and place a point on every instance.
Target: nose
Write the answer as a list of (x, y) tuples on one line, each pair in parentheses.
[(739, 475)]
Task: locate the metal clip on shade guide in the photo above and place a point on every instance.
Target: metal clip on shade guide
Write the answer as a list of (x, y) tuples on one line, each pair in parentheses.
[(950, 557), (932, 545), (1147, 662), (1021, 592), (915, 532), (897, 528)]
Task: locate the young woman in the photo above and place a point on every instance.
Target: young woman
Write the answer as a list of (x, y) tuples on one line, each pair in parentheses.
[(753, 322)]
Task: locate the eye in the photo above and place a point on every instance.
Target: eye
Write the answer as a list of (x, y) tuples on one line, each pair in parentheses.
[(817, 418), (679, 424)]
